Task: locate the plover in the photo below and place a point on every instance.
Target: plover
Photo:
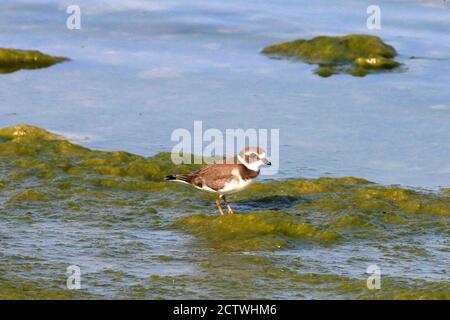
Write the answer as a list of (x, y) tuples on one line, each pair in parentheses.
[(232, 176)]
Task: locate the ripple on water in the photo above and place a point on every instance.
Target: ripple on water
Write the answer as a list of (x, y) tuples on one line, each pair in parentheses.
[(136, 237)]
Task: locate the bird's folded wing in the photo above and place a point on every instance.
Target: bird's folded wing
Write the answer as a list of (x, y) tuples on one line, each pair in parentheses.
[(215, 176)]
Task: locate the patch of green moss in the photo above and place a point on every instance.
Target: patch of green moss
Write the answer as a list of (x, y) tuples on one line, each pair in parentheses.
[(398, 289), (264, 230), (344, 194), (355, 54), (407, 200), (294, 188), (29, 195), (163, 258), (24, 130), (247, 277), (151, 210), (33, 152), (326, 71), (12, 60), (25, 289)]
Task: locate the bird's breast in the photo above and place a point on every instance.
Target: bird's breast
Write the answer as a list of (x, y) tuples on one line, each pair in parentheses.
[(235, 185)]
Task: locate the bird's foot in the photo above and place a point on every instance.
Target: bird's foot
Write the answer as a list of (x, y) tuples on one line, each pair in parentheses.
[(229, 210)]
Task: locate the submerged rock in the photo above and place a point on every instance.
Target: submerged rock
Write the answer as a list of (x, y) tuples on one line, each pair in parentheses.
[(12, 60), (356, 54)]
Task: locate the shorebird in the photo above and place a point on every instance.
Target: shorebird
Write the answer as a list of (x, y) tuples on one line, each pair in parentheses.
[(222, 179)]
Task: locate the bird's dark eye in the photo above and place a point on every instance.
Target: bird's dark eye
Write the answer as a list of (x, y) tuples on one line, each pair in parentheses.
[(252, 156)]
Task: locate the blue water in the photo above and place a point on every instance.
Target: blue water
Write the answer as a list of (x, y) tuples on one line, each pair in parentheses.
[(141, 69)]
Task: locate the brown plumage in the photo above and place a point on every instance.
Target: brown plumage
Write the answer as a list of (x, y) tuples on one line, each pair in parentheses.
[(215, 176)]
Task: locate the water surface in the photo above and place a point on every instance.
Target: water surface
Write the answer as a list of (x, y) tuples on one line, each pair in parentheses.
[(141, 69)]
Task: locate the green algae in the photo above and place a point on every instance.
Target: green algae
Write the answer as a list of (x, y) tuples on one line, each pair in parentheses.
[(399, 289), (12, 60), (303, 186), (34, 291), (355, 54), (29, 195), (407, 200), (257, 231), (44, 155), (47, 179), (264, 277), (350, 193), (18, 281), (164, 258), (16, 288)]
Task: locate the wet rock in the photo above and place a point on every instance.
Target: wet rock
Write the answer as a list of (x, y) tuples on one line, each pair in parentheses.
[(12, 60), (356, 54)]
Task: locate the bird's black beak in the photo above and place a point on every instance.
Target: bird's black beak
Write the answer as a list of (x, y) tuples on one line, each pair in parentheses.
[(267, 162)]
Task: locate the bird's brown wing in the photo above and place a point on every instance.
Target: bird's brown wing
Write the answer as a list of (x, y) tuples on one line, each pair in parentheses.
[(213, 176)]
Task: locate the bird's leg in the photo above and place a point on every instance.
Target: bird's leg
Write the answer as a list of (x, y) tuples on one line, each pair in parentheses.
[(219, 205), (230, 211)]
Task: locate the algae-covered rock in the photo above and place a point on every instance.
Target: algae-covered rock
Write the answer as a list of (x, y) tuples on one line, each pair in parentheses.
[(356, 54), (12, 60), (26, 131), (31, 152)]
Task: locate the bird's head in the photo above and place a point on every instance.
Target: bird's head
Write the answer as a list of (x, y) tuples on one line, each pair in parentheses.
[(253, 158)]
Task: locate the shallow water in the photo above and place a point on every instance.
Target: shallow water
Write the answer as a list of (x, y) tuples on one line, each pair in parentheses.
[(134, 236), (141, 70)]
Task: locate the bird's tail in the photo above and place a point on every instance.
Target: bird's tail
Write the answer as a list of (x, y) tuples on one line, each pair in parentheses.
[(184, 178)]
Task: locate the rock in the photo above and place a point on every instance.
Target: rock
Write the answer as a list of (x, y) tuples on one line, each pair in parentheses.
[(12, 60), (356, 54)]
